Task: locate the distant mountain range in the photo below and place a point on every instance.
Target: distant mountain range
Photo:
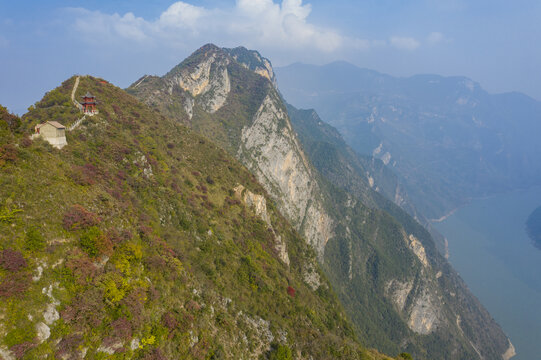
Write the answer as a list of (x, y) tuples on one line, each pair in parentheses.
[(445, 137)]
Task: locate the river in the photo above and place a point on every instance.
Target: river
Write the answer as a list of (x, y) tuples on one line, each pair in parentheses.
[(490, 249)]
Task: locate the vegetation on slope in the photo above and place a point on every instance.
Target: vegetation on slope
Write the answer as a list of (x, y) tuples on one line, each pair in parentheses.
[(130, 243)]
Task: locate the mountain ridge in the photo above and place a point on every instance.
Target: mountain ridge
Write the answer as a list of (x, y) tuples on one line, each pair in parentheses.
[(136, 241), (365, 249)]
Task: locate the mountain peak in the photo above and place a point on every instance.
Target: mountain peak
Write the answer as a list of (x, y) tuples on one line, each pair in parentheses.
[(206, 75), (252, 60), (204, 52)]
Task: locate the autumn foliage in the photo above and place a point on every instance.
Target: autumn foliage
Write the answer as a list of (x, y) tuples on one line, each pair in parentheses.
[(77, 218), (12, 260), (290, 291), (16, 281)]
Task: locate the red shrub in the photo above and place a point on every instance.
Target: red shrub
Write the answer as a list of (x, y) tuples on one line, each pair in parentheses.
[(155, 354), (122, 328), (116, 193), (68, 345), (201, 349), (175, 187), (83, 269), (121, 175), (134, 302), (230, 201), (26, 142), (169, 321), (155, 262), (152, 161), (85, 175), (13, 121), (78, 218), (145, 232), (187, 320), (153, 293), (8, 153), (117, 237), (290, 291), (86, 310), (20, 349), (15, 284), (119, 152), (12, 260), (117, 110), (192, 306)]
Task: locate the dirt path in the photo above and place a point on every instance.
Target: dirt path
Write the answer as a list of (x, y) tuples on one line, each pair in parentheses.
[(75, 102)]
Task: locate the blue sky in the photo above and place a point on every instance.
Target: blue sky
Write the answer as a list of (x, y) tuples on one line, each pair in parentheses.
[(496, 43)]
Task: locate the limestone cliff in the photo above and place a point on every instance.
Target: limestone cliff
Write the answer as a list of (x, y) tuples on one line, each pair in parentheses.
[(270, 150), (208, 80)]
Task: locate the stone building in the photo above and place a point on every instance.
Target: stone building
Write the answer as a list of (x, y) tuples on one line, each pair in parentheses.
[(53, 132)]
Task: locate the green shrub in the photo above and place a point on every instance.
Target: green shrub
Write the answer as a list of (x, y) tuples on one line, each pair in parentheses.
[(89, 241), (34, 240), (281, 352)]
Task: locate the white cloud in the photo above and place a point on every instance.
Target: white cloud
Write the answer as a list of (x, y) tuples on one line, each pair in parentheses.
[(261, 23), (404, 43), (435, 38), (181, 15), (99, 27)]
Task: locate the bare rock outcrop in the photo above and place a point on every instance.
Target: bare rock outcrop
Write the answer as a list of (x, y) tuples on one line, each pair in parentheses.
[(208, 80), (258, 203), (269, 148)]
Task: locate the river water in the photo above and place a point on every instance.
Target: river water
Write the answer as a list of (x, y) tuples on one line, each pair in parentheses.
[(490, 249)]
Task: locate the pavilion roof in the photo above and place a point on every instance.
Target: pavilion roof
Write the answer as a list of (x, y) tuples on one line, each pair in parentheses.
[(88, 95)]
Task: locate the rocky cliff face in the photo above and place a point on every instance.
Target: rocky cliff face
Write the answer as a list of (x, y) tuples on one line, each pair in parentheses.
[(393, 283), (208, 80), (270, 150)]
